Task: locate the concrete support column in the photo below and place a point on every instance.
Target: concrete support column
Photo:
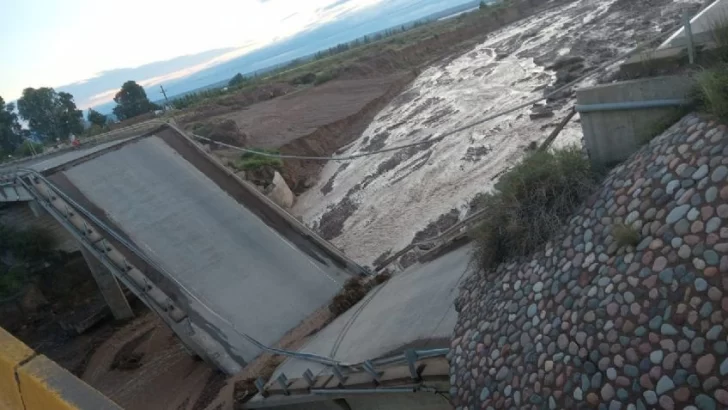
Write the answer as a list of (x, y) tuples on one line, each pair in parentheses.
[(109, 287)]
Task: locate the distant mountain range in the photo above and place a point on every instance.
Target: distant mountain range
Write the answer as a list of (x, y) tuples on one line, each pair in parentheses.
[(391, 13)]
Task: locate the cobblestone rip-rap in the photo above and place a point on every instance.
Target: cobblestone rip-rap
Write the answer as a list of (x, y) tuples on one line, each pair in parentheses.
[(587, 323)]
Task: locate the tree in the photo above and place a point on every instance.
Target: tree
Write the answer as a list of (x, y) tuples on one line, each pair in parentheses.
[(71, 118), (96, 118), (131, 101), (237, 80), (483, 5), (11, 134), (50, 114)]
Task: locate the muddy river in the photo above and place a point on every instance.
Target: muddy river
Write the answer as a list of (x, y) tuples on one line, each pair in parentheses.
[(377, 204)]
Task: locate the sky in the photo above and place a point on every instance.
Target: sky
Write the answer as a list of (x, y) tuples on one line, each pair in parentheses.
[(59, 42)]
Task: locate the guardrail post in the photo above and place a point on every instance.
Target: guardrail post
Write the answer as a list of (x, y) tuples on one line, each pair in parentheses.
[(689, 36), (411, 357), (283, 382), (369, 368), (339, 375), (308, 376), (260, 385)]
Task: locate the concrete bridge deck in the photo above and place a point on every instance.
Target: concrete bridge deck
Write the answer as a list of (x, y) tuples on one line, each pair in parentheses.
[(233, 261), (413, 310)]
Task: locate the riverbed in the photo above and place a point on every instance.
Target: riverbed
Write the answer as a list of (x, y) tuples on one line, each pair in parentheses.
[(377, 204)]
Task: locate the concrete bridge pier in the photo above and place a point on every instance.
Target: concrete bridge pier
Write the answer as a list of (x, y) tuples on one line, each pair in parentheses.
[(109, 286)]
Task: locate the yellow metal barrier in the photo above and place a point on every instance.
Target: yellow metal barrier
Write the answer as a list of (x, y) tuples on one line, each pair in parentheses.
[(12, 353), (33, 382)]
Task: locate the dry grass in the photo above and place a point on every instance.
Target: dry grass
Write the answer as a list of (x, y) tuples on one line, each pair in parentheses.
[(531, 203), (712, 82), (353, 291), (712, 90)]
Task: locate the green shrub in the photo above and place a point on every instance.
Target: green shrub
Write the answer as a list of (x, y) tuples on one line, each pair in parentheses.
[(94, 129), (530, 203), (28, 148), (12, 280), (324, 77), (625, 235), (252, 162), (307, 78), (31, 245), (712, 90), (719, 34)]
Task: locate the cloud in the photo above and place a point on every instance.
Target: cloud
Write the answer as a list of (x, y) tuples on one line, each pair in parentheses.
[(293, 20), (336, 4), (107, 95)]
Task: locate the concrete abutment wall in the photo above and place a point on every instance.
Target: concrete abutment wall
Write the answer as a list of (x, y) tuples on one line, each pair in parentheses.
[(611, 133)]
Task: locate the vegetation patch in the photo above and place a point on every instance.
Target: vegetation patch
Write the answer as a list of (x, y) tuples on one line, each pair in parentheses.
[(226, 132), (28, 148), (530, 203), (19, 252), (719, 33), (712, 83), (12, 280), (325, 77), (353, 291), (712, 90), (251, 161)]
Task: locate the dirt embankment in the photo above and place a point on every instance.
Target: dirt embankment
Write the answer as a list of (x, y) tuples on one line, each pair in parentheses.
[(439, 45), (234, 102), (380, 59), (268, 117), (328, 139), (314, 121)]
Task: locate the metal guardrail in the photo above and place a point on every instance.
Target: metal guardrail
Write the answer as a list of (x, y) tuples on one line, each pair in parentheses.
[(383, 376), (94, 140), (633, 105)]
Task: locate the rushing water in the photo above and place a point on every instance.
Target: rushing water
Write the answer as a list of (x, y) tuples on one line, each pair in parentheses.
[(393, 205)]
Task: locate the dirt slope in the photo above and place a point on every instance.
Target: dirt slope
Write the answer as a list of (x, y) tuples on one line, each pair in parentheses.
[(166, 376)]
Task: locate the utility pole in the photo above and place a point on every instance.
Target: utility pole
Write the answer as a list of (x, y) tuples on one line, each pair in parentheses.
[(166, 100)]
